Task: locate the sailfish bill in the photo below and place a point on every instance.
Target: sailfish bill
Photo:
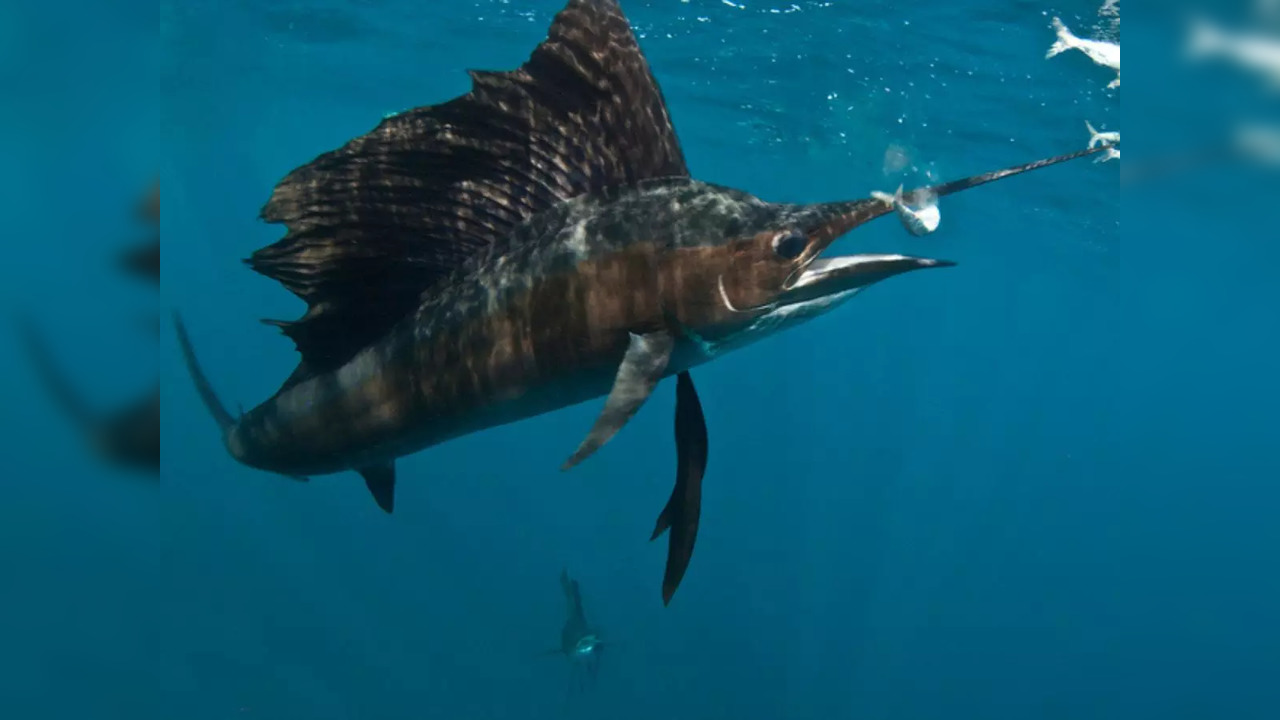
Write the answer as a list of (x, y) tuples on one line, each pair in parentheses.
[(533, 244)]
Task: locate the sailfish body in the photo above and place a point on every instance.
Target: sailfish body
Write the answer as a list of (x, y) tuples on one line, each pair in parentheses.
[(531, 245), (541, 322)]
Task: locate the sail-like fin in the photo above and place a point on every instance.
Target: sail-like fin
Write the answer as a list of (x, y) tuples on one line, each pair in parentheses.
[(376, 222), (381, 481), (684, 508), (641, 369)]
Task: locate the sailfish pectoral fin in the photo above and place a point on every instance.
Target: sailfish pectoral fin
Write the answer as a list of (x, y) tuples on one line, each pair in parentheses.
[(684, 508), (381, 481), (641, 369)]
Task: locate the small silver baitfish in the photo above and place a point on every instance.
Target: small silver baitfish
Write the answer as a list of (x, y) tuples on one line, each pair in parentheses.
[(918, 221)]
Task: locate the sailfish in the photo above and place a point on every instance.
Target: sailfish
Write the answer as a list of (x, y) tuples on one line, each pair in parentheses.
[(533, 244), (580, 641)]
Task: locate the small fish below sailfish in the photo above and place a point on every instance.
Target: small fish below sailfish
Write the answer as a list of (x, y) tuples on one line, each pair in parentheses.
[(580, 642), (533, 244)]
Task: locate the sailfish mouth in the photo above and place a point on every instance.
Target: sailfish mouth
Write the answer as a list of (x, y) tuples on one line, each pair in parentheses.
[(818, 277), (823, 277)]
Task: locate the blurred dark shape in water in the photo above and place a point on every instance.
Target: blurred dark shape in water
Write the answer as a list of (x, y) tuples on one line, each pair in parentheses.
[(127, 437), (579, 641), (144, 260)]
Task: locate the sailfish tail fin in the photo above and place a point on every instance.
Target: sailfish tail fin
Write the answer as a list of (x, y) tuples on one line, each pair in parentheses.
[(207, 395)]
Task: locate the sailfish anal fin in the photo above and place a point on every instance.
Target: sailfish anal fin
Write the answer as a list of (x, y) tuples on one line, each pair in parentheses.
[(375, 223), (381, 481), (684, 508), (642, 367)]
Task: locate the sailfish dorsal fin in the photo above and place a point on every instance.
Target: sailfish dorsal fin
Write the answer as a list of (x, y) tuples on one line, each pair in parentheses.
[(375, 223)]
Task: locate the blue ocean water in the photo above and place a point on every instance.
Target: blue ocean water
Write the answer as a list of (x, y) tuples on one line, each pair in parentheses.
[(1039, 484)]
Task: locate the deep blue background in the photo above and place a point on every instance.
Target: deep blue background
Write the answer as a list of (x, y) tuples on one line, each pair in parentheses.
[(1041, 484)]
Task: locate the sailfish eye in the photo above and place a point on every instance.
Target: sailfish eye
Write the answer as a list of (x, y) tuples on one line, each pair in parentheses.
[(788, 244)]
